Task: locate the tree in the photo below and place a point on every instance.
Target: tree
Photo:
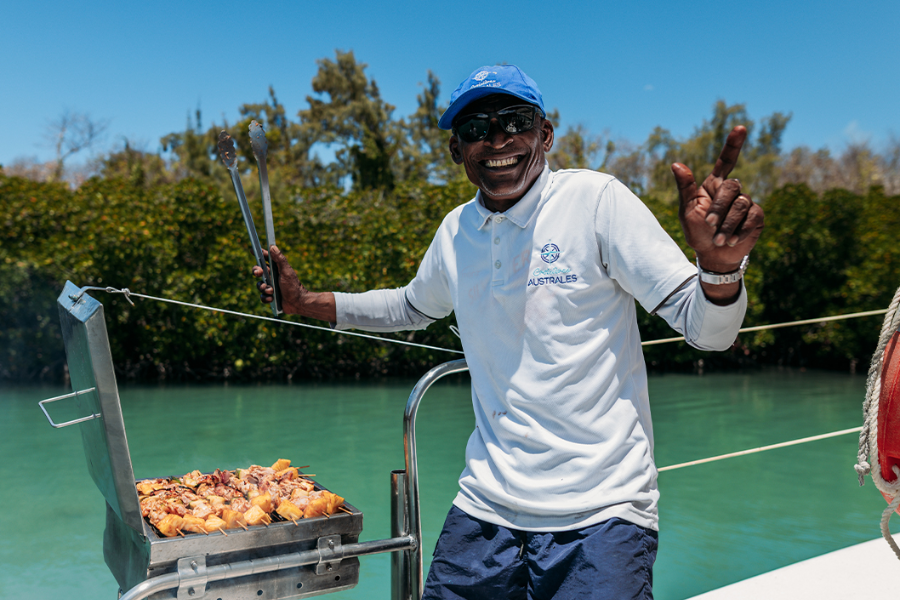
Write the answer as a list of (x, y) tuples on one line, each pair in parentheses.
[(630, 165), (423, 153), (857, 168), (350, 113), (194, 149), (578, 148), (30, 168), (140, 167), (71, 133), (757, 168)]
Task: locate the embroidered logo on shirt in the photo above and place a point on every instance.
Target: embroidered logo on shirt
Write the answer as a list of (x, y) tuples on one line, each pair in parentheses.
[(551, 275), (550, 253)]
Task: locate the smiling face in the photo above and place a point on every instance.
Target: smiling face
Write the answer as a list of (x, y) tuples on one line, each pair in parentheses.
[(503, 165)]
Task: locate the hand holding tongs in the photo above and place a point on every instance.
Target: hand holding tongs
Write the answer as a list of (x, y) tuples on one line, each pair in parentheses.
[(259, 145), (229, 158)]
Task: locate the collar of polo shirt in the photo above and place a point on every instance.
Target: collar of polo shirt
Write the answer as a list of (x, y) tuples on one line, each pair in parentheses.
[(522, 211)]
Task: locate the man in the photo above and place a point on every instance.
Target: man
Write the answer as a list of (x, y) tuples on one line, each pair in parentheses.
[(559, 497)]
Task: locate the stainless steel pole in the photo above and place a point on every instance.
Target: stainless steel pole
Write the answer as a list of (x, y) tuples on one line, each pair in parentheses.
[(399, 528), (413, 515)]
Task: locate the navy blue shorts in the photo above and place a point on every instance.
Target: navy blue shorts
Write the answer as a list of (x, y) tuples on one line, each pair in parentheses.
[(474, 560)]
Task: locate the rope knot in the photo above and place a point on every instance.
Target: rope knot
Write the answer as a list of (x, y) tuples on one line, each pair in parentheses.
[(862, 469)]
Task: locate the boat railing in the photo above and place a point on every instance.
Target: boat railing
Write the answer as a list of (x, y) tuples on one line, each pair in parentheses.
[(414, 523)]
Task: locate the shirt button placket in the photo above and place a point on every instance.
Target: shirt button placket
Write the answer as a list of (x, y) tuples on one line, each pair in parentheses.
[(498, 278)]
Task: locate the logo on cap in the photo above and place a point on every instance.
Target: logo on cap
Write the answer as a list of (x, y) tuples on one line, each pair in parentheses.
[(481, 76)]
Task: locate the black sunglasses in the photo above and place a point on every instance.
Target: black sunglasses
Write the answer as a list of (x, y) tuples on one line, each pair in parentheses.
[(513, 119)]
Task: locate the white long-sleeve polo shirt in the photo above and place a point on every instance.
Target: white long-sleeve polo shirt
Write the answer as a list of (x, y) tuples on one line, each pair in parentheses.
[(544, 300)]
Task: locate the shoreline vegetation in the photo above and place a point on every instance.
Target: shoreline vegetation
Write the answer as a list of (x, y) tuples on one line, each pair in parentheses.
[(168, 225)]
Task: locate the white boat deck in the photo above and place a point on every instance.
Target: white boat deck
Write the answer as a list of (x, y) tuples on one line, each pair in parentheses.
[(867, 571)]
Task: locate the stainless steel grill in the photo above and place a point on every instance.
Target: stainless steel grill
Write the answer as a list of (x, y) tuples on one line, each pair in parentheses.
[(132, 549), (279, 561)]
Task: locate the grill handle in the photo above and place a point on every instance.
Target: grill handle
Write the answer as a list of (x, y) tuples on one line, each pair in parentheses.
[(67, 423)]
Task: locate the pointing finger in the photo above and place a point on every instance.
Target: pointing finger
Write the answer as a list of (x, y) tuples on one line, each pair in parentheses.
[(729, 156)]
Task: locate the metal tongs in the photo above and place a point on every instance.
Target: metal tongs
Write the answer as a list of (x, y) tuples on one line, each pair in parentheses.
[(259, 145), (229, 158)]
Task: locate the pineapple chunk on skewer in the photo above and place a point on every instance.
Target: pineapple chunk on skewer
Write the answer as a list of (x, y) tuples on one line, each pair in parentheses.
[(256, 516), (281, 464), (289, 511), (194, 524), (170, 525), (264, 502), (213, 522), (233, 519)]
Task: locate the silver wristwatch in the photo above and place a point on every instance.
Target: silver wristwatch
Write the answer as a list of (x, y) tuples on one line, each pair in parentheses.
[(723, 278)]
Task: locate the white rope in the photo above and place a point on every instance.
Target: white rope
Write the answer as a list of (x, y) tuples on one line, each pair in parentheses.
[(760, 449), (886, 520), (868, 436), (129, 294), (867, 313)]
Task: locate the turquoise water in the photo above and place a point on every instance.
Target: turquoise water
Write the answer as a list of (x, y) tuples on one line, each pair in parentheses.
[(720, 522)]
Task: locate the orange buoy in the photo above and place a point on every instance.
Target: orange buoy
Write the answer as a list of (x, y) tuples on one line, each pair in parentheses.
[(889, 412)]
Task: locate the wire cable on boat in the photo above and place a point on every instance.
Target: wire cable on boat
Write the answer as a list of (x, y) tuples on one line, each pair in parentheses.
[(761, 449), (128, 294), (868, 313)]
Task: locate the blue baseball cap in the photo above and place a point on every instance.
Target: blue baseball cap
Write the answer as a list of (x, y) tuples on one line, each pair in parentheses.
[(484, 81)]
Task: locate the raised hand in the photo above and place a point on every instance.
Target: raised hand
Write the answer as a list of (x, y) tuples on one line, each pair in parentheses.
[(720, 222)]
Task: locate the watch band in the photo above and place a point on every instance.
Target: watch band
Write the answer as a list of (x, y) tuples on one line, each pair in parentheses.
[(723, 278)]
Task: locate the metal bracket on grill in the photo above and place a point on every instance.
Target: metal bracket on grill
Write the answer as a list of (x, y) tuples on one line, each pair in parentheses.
[(330, 554), (72, 395), (192, 573)]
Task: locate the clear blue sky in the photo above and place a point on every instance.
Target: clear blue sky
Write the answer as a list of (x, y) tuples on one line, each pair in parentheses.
[(619, 66)]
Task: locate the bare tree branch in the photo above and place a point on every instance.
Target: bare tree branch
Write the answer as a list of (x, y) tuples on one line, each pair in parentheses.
[(71, 133)]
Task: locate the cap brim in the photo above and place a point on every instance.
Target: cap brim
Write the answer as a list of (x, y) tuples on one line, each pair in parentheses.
[(446, 120)]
